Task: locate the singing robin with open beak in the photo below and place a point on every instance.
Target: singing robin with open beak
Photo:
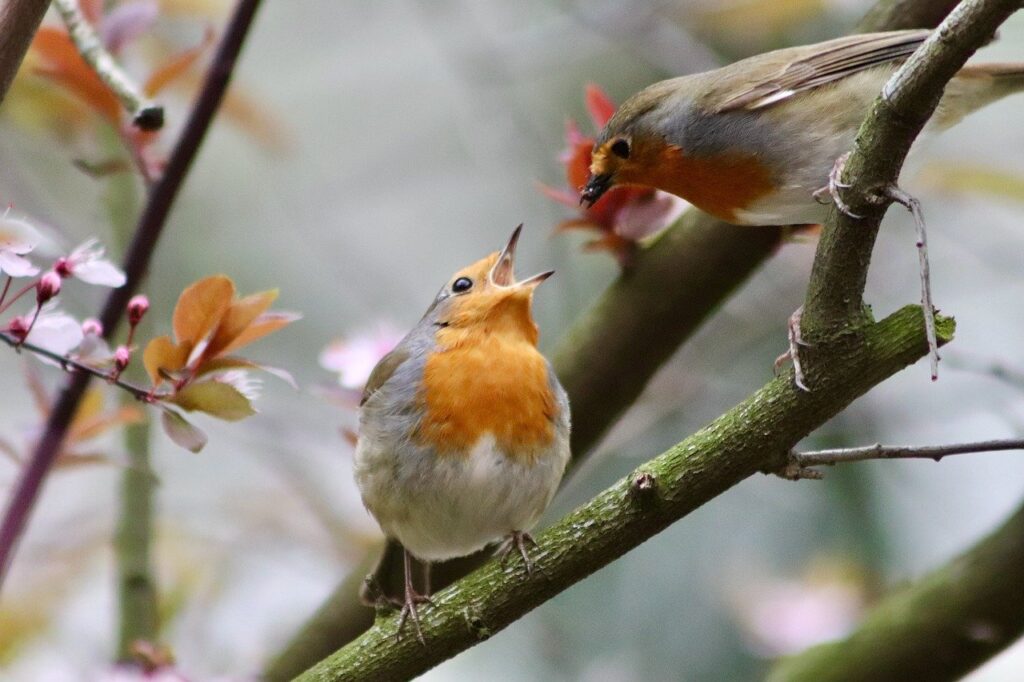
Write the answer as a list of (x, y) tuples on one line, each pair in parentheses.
[(463, 427), (755, 142)]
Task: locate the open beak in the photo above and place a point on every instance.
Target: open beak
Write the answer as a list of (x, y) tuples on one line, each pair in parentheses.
[(503, 272), (595, 188)]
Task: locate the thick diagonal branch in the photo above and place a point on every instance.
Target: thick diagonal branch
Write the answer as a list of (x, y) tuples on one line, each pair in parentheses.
[(754, 436)]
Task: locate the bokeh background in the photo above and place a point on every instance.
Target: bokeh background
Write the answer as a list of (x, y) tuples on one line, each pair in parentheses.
[(373, 149)]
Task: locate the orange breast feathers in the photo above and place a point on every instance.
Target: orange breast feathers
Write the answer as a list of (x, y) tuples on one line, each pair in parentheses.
[(719, 185), (480, 383)]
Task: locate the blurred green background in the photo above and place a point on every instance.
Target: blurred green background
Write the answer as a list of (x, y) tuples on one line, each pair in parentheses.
[(390, 144)]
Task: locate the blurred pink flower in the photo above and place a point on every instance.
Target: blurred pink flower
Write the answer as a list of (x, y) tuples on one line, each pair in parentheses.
[(53, 330), (87, 264), (787, 616), (17, 238), (354, 357)]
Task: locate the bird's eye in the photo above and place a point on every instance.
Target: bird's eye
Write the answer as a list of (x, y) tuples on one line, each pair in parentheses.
[(620, 148), (462, 284)]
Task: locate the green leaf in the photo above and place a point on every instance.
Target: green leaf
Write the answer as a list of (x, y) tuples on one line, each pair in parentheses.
[(215, 398), (182, 432)]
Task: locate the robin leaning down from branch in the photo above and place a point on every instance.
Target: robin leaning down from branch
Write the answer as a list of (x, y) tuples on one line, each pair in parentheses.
[(463, 428), (754, 143), (762, 141)]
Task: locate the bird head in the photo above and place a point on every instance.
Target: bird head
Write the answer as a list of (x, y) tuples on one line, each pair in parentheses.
[(486, 298), (630, 143)]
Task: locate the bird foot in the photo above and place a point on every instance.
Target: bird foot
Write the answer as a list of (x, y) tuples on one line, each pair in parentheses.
[(833, 188), (793, 353), (519, 540), (408, 606)]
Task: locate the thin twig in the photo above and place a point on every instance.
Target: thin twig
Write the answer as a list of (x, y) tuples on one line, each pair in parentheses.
[(914, 206), (68, 362), (148, 230), (146, 114), (799, 462)]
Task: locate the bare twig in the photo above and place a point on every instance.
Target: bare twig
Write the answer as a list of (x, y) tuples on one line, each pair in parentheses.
[(799, 463), (136, 261), (66, 362), (146, 114), (19, 20)]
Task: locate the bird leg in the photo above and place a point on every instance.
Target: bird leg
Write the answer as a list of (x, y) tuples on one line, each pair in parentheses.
[(914, 206), (795, 343), (834, 186), (412, 598), (518, 539)]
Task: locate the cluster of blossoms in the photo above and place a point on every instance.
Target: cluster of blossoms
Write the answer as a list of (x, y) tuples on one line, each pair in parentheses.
[(196, 371)]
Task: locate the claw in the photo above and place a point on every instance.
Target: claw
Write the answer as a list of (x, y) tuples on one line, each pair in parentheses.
[(793, 353), (412, 598), (518, 539), (834, 186)]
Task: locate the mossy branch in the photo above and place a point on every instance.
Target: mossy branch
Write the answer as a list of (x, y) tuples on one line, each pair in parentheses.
[(754, 436)]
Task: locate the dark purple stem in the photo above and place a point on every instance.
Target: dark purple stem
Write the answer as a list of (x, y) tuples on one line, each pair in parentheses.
[(136, 262)]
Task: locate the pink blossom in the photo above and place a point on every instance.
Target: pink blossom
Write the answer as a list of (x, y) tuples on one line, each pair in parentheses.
[(353, 358), (53, 330), (47, 287), (17, 238), (137, 308), (87, 264)]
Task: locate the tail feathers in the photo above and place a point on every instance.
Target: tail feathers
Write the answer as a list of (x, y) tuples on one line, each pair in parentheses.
[(976, 86)]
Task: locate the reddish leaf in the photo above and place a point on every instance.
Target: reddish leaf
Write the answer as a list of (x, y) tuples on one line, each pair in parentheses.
[(239, 316), (263, 325), (63, 64), (599, 105), (176, 66)]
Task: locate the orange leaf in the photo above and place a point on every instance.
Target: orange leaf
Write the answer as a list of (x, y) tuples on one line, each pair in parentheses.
[(176, 66), (240, 315), (90, 428), (64, 65), (163, 354), (266, 323), (201, 307)]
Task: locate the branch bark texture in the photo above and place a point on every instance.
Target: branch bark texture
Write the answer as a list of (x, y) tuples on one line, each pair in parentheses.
[(136, 261), (754, 436), (19, 20)]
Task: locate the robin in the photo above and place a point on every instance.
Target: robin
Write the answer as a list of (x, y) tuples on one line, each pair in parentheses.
[(755, 142), (760, 142), (463, 428)]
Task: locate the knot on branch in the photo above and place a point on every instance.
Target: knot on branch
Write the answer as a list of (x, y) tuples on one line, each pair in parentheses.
[(475, 624), (795, 470)]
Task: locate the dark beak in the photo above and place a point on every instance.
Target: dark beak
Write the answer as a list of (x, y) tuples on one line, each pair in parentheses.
[(595, 188)]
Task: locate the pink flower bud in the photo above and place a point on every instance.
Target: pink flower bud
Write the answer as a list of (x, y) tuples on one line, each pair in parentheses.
[(18, 327), (122, 356), (137, 307), (92, 327), (47, 287), (62, 267)]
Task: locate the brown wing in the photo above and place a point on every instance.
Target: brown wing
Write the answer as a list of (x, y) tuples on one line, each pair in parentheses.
[(827, 62), (383, 371)]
